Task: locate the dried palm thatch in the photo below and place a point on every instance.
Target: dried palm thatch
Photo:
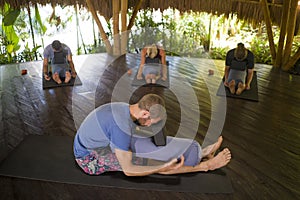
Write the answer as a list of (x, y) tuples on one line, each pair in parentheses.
[(250, 10)]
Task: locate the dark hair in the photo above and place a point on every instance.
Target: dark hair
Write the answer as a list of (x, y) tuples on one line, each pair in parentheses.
[(154, 104), (56, 45), (240, 52)]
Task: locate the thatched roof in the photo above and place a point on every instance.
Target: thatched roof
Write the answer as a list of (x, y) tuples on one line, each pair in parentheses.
[(250, 10)]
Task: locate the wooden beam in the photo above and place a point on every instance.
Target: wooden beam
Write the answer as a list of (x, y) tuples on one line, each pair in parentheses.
[(290, 31), (124, 35), (283, 27), (135, 11), (116, 30), (269, 28), (100, 27), (257, 2)]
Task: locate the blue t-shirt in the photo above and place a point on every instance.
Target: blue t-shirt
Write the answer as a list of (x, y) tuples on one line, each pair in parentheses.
[(109, 124), (49, 52)]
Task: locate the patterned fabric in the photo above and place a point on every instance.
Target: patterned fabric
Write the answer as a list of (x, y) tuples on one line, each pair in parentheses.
[(99, 161), (103, 160)]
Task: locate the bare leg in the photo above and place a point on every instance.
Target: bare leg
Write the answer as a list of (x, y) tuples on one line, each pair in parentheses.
[(222, 159), (210, 150)]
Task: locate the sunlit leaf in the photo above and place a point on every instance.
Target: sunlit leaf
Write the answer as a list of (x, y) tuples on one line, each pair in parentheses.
[(38, 19), (10, 18)]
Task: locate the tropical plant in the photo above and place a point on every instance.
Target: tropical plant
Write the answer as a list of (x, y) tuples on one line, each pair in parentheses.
[(10, 39)]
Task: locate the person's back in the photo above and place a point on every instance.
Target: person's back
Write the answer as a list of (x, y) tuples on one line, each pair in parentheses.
[(107, 125)]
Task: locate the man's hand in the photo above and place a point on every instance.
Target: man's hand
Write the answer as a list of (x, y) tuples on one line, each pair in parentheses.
[(129, 72), (226, 83), (164, 78), (74, 74), (46, 76), (139, 77), (247, 87), (173, 165)]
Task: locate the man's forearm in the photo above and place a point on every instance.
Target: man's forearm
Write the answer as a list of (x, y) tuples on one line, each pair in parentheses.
[(249, 78)]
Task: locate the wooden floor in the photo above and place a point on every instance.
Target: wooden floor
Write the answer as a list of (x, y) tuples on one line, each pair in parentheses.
[(264, 136)]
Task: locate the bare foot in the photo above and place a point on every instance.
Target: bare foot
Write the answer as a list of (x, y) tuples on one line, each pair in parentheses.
[(210, 150), (68, 77), (232, 87), (241, 88), (220, 160), (56, 78)]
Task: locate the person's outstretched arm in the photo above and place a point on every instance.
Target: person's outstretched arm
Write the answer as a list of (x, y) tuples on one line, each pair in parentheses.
[(162, 53), (226, 73), (70, 60), (141, 67), (249, 78), (222, 159), (129, 169), (45, 69)]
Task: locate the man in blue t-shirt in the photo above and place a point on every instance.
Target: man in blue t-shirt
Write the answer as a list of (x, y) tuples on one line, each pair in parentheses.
[(60, 57), (239, 69), (104, 141)]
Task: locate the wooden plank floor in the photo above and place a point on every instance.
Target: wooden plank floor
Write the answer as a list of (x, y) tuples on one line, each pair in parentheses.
[(264, 136)]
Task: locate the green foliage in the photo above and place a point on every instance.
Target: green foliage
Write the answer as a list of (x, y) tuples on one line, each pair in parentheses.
[(261, 50), (28, 54), (218, 53), (10, 17), (38, 21), (9, 39)]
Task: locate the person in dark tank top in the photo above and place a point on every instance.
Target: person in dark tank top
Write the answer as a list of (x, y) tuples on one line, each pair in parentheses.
[(239, 70), (60, 57), (153, 64)]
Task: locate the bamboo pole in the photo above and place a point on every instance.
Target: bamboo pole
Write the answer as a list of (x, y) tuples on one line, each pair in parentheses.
[(134, 14), (283, 27), (101, 29), (292, 61), (266, 11), (116, 30), (124, 34), (31, 29), (290, 32)]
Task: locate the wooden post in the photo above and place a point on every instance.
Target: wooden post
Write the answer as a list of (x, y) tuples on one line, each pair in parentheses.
[(269, 28), (283, 26), (124, 34), (116, 30), (290, 32), (101, 29), (292, 61), (135, 11)]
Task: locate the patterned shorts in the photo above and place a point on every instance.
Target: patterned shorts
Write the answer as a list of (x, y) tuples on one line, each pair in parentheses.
[(103, 160), (99, 161)]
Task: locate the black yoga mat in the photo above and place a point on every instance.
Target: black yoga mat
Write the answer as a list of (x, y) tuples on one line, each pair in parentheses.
[(52, 84), (251, 94), (159, 82), (50, 158)]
